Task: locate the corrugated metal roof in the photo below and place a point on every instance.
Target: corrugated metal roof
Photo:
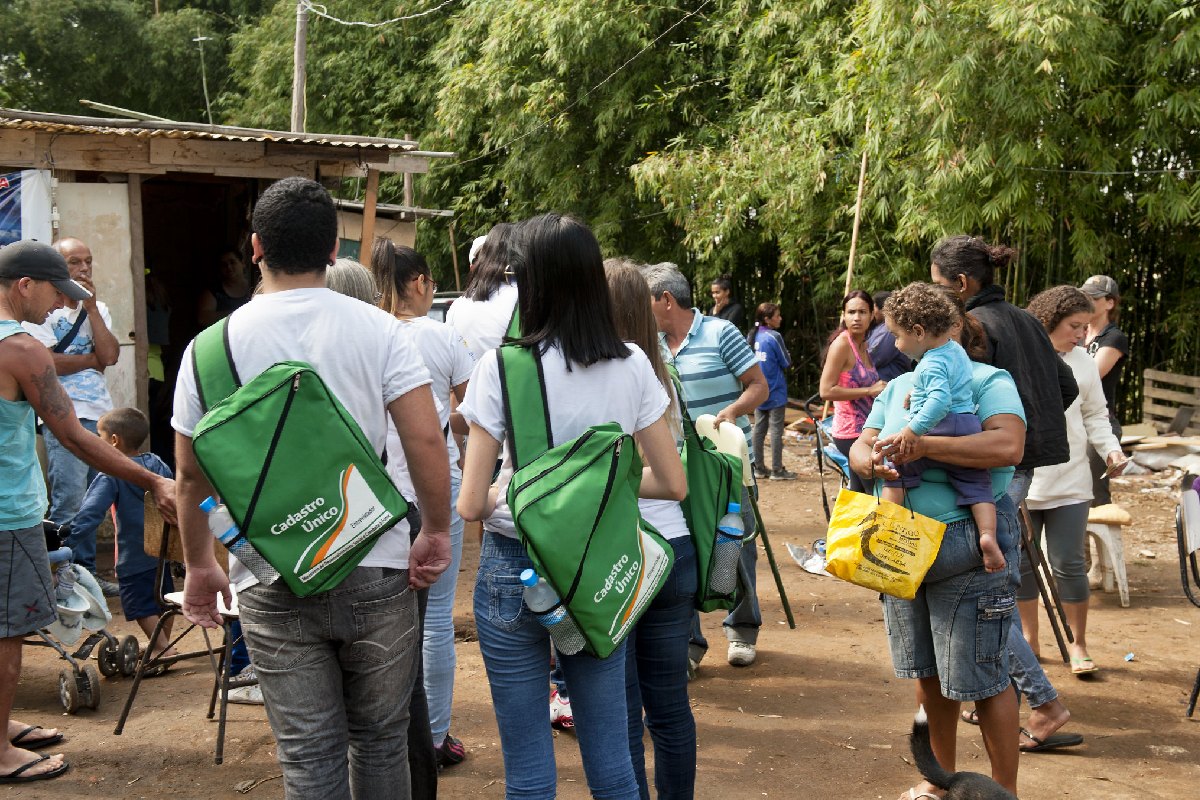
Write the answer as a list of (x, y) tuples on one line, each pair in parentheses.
[(149, 129)]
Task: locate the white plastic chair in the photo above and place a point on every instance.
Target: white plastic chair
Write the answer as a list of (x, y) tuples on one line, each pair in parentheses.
[(1104, 529)]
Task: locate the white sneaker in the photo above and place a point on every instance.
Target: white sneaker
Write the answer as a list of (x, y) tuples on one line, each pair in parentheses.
[(560, 711), (741, 654), (250, 695)]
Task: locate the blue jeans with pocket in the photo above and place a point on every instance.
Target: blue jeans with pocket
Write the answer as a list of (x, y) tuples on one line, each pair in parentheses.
[(1028, 676), (656, 680), (337, 671), (438, 656), (69, 480), (515, 648), (958, 626)]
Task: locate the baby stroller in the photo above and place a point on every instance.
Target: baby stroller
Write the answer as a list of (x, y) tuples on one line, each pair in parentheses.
[(82, 615), (825, 450)]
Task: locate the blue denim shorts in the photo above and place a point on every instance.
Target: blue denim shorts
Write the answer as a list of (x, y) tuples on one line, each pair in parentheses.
[(956, 628), (138, 596)]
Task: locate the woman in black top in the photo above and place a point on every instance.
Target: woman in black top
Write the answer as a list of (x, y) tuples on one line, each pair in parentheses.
[(724, 304), (1106, 343)]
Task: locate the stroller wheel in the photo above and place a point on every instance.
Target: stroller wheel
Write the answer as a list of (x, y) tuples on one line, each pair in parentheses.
[(93, 692), (108, 656), (68, 691), (131, 653)]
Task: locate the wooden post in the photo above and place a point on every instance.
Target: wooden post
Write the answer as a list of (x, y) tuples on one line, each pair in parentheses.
[(137, 269), (862, 178), (368, 221), (299, 66), (454, 258)]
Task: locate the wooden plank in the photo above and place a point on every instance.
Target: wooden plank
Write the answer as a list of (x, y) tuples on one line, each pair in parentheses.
[(185, 153), (17, 148), (93, 153), (1159, 393), (341, 169), (315, 152), (400, 162), (137, 269), (1170, 377), (367, 242), (264, 172)]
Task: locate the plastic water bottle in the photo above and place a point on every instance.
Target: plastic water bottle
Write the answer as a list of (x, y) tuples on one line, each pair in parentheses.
[(542, 600), (726, 551), (223, 527)]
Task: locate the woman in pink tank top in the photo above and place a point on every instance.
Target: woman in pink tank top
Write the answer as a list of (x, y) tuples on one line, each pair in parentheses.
[(848, 377)]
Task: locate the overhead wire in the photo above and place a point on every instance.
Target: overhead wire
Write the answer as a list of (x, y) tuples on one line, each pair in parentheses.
[(321, 11)]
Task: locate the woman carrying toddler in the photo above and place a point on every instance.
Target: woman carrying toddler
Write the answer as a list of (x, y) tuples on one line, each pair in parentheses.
[(941, 404)]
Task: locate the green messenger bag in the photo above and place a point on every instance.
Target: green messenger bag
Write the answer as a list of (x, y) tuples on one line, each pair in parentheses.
[(575, 508), (714, 481), (292, 466)]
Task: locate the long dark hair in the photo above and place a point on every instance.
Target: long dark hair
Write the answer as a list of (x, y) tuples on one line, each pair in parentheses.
[(855, 294), (970, 256), (761, 314), (493, 258), (393, 267), (562, 292)]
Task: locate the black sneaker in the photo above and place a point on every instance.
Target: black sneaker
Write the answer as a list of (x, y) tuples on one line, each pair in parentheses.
[(784, 475), (449, 752), (761, 472)]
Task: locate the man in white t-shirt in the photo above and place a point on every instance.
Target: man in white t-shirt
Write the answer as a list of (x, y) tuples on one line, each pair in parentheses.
[(81, 354), (336, 669)]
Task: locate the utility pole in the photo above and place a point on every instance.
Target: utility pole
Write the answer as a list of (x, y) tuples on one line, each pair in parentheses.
[(299, 55), (200, 40)]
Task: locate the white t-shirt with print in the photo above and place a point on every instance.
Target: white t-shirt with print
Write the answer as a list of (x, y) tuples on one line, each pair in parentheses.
[(665, 515), (624, 391), (483, 322), (86, 388), (450, 361), (362, 354)]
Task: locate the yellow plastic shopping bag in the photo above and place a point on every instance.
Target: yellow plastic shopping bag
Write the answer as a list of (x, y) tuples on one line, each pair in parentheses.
[(880, 545)]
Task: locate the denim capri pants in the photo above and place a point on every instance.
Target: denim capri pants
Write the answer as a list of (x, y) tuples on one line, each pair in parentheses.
[(956, 628)]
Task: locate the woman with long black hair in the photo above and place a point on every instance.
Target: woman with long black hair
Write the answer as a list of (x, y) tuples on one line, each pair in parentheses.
[(590, 376)]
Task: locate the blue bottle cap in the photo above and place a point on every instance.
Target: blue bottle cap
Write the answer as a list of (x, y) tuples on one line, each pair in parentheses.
[(208, 504), (735, 508), (529, 577)]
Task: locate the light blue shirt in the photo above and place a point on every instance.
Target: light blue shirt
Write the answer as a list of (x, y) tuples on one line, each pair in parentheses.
[(22, 490), (941, 386), (710, 360), (995, 393)]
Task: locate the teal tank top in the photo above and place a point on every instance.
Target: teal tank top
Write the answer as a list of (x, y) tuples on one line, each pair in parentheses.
[(22, 489)]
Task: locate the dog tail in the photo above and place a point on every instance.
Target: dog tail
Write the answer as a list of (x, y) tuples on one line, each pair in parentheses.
[(922, 751)]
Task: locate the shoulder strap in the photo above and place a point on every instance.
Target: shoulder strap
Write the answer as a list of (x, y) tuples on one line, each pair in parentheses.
[(689, 427), (212, 365), (526, 412), (65, 342), (514, 325)]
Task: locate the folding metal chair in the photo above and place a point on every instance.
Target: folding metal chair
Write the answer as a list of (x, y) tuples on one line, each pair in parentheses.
[(167, 546), (1187, 534)]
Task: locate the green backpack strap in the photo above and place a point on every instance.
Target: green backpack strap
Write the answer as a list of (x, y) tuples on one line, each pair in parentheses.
[(514, 325), (526, 413), (212, 365)]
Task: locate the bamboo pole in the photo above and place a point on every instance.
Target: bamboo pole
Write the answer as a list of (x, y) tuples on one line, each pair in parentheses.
[(454, 258), (862, 179), (368, 221)]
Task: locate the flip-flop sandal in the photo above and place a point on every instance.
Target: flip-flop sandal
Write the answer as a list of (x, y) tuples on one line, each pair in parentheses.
[(1083, 666), (156, 670), (18, 775), (21, 741), (1051, 742), (911, 794), (970, 716)]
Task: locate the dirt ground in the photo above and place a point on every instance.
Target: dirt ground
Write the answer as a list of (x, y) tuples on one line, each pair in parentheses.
[(820, 714)]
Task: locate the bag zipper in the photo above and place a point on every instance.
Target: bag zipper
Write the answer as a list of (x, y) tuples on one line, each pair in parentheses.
[(574, 449), (262, 476)]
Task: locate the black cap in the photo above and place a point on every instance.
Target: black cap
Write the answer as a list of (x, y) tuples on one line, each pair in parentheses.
[(30, 259)]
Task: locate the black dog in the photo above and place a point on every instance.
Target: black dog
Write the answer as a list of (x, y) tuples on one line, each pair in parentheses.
[(958, 785)]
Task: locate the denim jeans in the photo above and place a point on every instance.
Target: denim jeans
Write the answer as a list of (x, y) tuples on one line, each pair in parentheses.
[(656, 679), (1027, 674), (422, 758), (957, 626), (772, 420), (515, 650), (743, 622), (69, 480), (337, 671), (438, 655)]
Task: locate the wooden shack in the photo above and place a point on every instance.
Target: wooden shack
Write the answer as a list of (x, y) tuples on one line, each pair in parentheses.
[(159, 201)]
